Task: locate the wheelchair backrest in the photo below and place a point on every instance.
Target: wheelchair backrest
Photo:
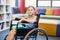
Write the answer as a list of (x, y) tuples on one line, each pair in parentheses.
[(38, 16)]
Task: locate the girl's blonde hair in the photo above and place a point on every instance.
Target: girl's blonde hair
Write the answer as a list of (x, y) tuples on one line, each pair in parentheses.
[(28, 8), (31, 6)]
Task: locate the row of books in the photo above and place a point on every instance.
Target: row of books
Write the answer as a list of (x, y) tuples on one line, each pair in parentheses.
[(1, 9), (2, 25), (1, 17), (8, 16)]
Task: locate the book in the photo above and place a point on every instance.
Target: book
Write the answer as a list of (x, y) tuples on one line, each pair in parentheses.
[(0, 17), (7, 8), (1, 9), (8, 16), (7, 24), (2, 25)]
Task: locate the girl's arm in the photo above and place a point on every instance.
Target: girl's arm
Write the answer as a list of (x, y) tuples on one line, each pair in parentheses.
[(30, 21), (24, 17)]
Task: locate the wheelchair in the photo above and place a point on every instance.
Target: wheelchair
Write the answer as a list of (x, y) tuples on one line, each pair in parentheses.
[(21, 33)]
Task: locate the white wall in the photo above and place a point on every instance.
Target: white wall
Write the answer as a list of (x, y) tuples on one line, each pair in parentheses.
[(44, 3), (12, 3), (30, 3), (56, 3), (40, 3)]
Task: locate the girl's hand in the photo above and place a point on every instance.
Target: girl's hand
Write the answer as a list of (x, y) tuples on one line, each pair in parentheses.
[(21, 20), (13, 19)]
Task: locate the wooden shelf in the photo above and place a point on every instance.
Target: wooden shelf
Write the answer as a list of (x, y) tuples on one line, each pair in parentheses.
[(1, 13), (7, 12), (1, 21), (1, 4), (7, 4), (8, 20)]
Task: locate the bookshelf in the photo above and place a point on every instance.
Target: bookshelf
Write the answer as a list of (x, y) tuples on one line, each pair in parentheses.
[(5, 14)]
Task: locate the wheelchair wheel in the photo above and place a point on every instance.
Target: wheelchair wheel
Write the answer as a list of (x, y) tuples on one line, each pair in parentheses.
[(36, 29), (5, 37)]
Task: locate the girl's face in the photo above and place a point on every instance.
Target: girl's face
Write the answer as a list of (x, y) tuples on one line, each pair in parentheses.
[(31, 10)]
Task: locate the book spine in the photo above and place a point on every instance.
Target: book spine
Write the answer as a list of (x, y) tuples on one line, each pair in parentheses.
[(7, 8), (0, 1), (0, 17), (7, 24), (2, 25), (1, 10)]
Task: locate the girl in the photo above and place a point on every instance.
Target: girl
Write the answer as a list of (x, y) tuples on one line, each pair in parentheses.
[(31, 19)]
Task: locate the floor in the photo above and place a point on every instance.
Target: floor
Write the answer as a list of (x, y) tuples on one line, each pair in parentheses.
[(4, 33)]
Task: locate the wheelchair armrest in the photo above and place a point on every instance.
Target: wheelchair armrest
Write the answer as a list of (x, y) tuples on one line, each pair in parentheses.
[(24, 27), (16, 22), (13, 23), (24, 22)]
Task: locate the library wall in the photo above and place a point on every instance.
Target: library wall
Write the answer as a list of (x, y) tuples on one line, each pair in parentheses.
[(30, 2), (12, 3)]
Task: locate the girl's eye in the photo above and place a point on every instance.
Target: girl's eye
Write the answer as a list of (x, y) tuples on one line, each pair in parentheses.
[(31, 10)]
